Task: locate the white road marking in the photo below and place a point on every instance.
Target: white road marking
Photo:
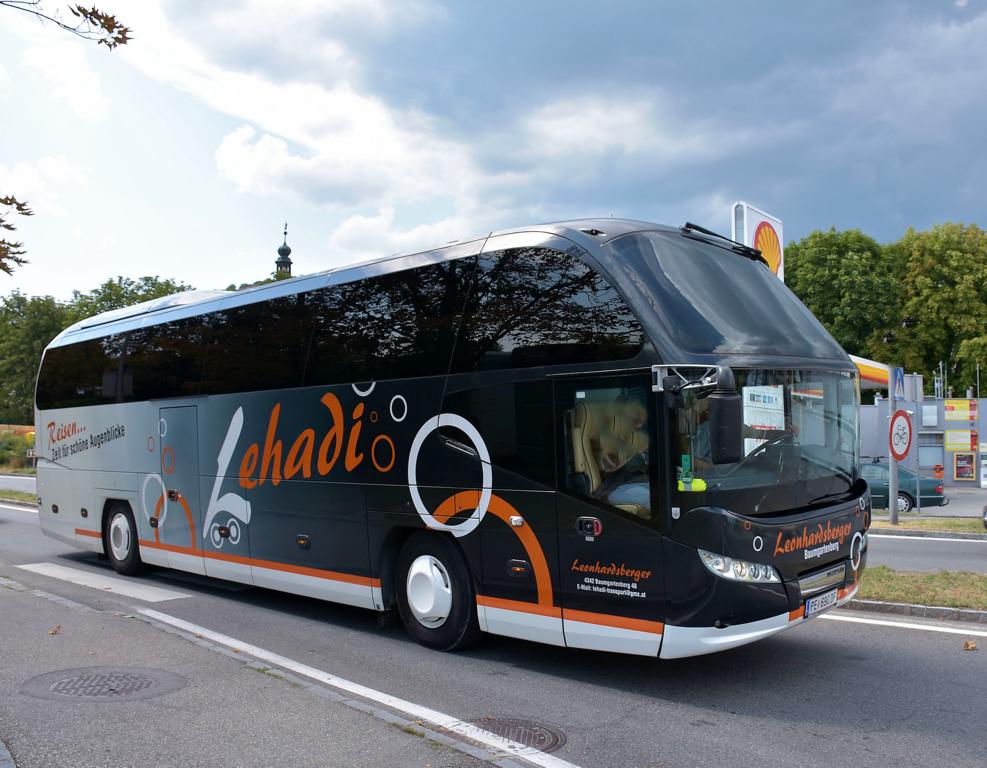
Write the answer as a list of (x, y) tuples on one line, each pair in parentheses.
[(30, 510), (904, 625), (115, 586), (505, 747), (926, 538)]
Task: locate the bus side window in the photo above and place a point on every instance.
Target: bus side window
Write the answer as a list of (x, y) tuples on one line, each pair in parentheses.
[(515, 421), (606, 442), (538, 306), (256, 346), (163, 361), (84, 373), (396, 325)]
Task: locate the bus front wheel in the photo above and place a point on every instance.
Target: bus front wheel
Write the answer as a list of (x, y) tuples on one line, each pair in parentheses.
[(120, 540), (435, 593)]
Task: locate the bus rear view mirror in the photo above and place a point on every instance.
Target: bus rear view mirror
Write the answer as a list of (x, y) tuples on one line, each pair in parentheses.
[(726, 424)]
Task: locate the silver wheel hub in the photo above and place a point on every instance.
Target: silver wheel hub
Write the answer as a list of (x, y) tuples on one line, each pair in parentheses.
[(429, 591), (120, 543)]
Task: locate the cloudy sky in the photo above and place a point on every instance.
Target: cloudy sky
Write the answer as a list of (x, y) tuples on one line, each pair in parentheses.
[(376, 127)]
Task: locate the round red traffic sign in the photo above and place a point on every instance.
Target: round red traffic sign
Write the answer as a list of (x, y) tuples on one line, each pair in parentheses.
[(900, 437)]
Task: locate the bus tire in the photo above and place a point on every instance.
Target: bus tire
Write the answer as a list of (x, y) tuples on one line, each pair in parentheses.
[(435, 594), (120, 540)]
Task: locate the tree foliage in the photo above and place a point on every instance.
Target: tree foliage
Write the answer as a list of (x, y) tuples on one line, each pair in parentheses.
[(848, 281), (29, 323), (912, 302), (943, 296), (119, 292), (11, 251)]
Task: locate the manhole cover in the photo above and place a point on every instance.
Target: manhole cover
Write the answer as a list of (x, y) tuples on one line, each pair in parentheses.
[(538, 736), (103, 684)]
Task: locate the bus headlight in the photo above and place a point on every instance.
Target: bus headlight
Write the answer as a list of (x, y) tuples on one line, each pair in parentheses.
[(738, 570)]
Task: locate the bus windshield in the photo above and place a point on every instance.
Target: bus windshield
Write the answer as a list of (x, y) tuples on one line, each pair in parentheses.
[(799, 444)]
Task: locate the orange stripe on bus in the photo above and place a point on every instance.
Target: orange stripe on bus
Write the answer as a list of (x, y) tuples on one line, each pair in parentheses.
[(318, 573), (797, 614), (517, 605), (609, 620), (84, 532), (464, 500)]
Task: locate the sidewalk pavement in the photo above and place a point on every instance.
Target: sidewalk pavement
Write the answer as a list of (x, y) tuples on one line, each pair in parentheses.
[(221, 710)]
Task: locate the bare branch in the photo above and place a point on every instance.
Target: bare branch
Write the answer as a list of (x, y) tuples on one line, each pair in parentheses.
[(93, 24)]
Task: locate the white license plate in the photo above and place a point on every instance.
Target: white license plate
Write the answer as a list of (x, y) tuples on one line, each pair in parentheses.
[(820, 603)]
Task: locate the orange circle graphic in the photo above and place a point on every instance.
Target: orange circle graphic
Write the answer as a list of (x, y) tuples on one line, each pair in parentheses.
[(373, 453), (168, 468), (767, 242)]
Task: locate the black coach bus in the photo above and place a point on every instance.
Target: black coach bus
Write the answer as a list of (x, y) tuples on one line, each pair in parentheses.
[(600, 434)]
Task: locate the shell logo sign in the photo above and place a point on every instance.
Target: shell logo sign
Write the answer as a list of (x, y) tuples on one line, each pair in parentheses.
[(767, 242), (754, 227)]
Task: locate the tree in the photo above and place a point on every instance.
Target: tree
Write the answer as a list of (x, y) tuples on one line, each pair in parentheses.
[(120, 292), (943, 296), (27, 324), (849, 282), (89, 24), (11, 251)]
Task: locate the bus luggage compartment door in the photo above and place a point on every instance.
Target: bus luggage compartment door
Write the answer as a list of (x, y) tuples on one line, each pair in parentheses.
[(179, 514)]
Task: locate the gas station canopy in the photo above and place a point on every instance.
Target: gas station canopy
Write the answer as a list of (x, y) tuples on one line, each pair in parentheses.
[(873, 375)]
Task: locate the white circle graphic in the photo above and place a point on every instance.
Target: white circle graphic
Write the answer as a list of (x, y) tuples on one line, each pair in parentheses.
[(404, 409), (364, 392), (451, 420), (234, 527), (855, 560), (149, 513), (758, 543), (162, 427), (214, 537)]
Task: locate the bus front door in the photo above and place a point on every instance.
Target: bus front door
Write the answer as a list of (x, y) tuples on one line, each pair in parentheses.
[(609, 542), (179, 514)]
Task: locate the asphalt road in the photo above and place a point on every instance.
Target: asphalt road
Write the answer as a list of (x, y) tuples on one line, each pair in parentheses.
[(906, 553), (825, 693), (24, 483)]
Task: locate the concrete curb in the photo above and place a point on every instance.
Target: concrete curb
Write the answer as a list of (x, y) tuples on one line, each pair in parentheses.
[(6, 761), (929, 534), (940, 613)]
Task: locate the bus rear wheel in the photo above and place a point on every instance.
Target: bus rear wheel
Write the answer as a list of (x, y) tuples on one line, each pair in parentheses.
[(120, 540), (435, 593)]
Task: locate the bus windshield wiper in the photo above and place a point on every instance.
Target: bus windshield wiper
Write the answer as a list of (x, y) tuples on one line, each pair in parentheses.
[(746, 250)]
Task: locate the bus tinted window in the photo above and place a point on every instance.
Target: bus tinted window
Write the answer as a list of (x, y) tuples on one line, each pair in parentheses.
[(393, 326), (85, 373), (257, 346), (537, 306), (515, 420), (163, 360)]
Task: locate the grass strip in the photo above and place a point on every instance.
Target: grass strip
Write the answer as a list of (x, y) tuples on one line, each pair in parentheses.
[(950, 589), (938, 524), (6, 469), (22, 496)]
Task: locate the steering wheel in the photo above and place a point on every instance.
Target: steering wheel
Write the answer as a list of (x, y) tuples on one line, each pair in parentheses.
[(786, 435)]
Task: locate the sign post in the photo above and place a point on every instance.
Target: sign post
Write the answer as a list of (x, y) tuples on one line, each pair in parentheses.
[(899, 443)]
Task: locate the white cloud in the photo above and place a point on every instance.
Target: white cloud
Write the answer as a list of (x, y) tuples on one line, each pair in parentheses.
[(918, 77), (42, 184), (329, 141), (61, 61), (367, 236), (590, 126)]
